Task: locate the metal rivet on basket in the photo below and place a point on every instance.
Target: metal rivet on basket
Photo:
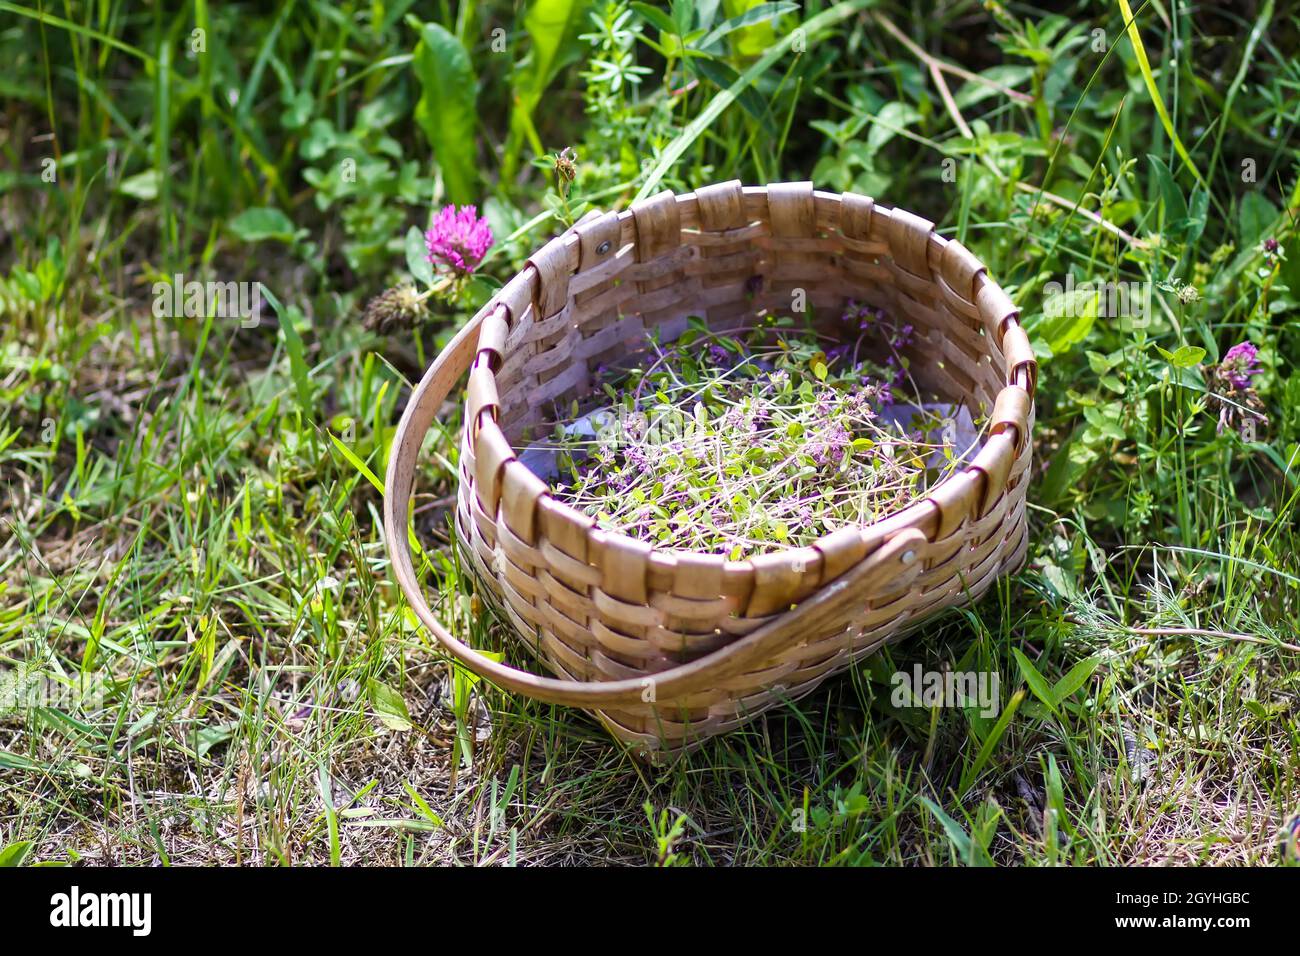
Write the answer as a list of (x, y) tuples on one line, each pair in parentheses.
[(908, 557), (603, 248)]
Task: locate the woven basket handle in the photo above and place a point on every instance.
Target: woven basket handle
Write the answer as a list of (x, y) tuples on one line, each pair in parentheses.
[(895, 559)]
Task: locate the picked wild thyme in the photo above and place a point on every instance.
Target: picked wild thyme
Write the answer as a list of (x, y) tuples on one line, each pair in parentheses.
[(740, 445)]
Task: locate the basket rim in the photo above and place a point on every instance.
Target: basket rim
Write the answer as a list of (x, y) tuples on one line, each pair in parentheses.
[(1012, 412)]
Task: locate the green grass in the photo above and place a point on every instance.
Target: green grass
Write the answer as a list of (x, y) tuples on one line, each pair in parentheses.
[(192, 539)]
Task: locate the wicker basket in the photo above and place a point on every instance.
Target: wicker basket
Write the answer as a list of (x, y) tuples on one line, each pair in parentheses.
[(670, 647)]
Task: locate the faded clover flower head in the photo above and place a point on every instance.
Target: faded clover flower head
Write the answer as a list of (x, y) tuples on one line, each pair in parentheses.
[(398, 307), (1239, 364), (458, 239)]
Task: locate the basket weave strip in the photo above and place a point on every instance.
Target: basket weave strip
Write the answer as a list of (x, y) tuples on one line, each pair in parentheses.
[(670, 646)]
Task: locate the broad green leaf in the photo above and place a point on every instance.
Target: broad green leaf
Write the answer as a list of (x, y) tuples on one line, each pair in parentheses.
[(758, 14), (1255, 215), (213, 735), (722, 75), (446, 111), (417, 257), (261, 223), (706, 11), (1254, 706), (1008, 75), (753, 40), (389, 706), (1075, 678), (142, 186), (1185, 356), (1074, 314), (891, 118), (1175, 204), (656, 18), (1100, 364), (1037, 683), (1062, 473), (1106, 420), (15, 853)]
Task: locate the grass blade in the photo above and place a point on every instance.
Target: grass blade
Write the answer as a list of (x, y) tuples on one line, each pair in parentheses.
[(1144, 64), (331, 815), (971, 774), (677, 148)]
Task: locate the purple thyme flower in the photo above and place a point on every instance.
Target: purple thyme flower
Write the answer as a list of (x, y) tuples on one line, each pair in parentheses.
[(830, 449), (636, 458), (866, 396), (865, 315), (458, 239), (1241, 362), (901, 337)]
